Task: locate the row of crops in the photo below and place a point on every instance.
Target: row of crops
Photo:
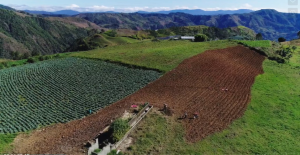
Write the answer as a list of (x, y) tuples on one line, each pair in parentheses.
[(62, 90)]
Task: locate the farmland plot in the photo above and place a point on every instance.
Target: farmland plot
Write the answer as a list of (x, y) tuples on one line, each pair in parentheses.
[(194, 86), (62, 90)]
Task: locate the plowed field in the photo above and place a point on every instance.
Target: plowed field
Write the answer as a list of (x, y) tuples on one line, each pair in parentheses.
[(197, 85)]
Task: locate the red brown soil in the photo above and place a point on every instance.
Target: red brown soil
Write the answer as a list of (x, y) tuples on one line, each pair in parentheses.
[(194, 86)]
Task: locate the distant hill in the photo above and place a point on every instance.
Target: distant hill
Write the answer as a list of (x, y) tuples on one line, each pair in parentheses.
[(192, 12), (23, 33), (61, 12), (5, 7), (271, 23), (103, 39), (202, 12)]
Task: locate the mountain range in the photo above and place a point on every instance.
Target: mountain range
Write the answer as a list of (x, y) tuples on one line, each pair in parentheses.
[(271, 23), (192, 12), (201, 12)]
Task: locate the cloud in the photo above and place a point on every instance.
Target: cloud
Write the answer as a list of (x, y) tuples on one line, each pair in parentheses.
[(73, 6), (102, 8), (247, 5)]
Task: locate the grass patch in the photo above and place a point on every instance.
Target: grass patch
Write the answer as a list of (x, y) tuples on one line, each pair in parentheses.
[(164, 55), (295, 60), (4, 60), (256, 43), (270, 124), (5, 141), (97, 151)]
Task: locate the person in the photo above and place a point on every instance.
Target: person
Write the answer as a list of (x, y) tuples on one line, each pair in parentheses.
[(185, 115), (195, 115), (165, 107)]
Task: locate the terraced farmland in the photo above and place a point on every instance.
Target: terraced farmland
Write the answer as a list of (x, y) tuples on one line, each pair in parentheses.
[(62, 90)]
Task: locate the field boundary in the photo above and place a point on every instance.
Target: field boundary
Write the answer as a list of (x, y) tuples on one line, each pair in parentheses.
[(121, 64)]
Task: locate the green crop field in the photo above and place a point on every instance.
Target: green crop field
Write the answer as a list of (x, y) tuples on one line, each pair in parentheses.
[(258, 43), (164, 55), (270, 124), (61, 90)]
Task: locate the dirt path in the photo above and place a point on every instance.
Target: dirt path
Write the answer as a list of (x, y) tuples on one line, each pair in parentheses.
[(194, 86)]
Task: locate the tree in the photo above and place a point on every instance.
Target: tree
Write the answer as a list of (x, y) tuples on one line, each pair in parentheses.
[(26, 55), (298, 34), (153, 33), (35, 53), (259, 36), (294, 48), (285, 53), (112, 33), (30, 60), (281, 39), (201, 38), (15, 55)]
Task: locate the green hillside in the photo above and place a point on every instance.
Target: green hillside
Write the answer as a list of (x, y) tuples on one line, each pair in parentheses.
[(6, 7), (164, 55), (22, 33), (236, 33), (100, 40)]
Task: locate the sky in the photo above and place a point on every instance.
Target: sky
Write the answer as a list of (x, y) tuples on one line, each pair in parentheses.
[(150, 5)]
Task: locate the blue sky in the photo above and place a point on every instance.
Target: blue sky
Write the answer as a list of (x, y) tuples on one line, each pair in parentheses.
[(149, 5)]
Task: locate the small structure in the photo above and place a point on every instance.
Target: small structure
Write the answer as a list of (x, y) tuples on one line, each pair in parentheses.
[(188, 38), (103, 139)]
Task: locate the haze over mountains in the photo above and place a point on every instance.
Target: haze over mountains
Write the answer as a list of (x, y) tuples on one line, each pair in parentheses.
[(192, 12)]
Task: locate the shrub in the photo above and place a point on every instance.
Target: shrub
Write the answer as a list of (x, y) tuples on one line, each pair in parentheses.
[(281, 39), (30, 60), (57, 56), (5, 64), (26, 55), (201, 38), (41, 58), (114, 152), (119, 129), (15, 55), (97, 150), (35, 53), (47, 57)]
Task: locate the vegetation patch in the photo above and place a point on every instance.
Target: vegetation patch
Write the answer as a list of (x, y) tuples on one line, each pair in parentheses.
[(164, 55), (61, 90), (119, 128), (257, 43), (5, 140)]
